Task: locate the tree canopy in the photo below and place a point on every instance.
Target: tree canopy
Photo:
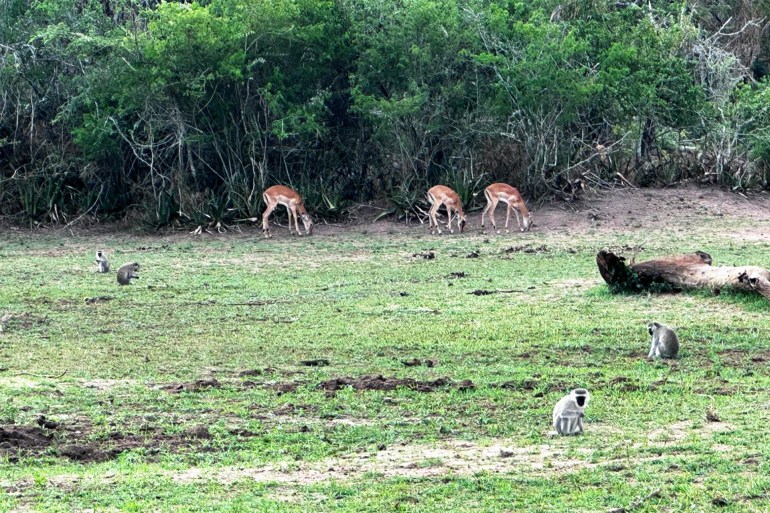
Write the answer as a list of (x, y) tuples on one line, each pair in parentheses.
[(186, 111)]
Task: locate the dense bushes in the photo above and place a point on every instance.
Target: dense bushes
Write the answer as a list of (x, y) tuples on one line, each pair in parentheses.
[(186, 111)]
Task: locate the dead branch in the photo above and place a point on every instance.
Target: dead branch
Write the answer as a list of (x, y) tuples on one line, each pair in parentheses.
[(690, 271)]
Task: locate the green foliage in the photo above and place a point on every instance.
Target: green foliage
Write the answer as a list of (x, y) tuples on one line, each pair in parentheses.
[(326, 199), (753, 105), (161, 211), (407, 199), (232, 96), (468, 186), (39, 195), (209, 208)]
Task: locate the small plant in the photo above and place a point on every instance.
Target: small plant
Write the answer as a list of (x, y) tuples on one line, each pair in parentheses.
[(407, 200), (468, 186), (40, 196), (208, 208), (326, 199), (161, 211)]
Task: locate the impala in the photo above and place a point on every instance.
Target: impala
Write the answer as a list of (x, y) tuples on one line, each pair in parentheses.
[(442, 195), (509, 195), (289, 198)]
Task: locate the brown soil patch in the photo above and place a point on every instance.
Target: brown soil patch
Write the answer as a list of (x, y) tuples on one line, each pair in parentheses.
[(107, 384), (685, 205), (737, 358), (299, 409), (195, 386), (14, 439), (74, 440), (536, 384), (678, 431), (379, 382)]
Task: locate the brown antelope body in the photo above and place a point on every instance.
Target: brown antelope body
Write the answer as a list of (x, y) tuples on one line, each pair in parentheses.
[(498, 192), (289, 198), (442, 195)]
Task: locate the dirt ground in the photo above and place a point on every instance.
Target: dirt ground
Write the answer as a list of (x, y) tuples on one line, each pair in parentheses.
[(651, 208), (616, 209), (624, 209), (611, 210)]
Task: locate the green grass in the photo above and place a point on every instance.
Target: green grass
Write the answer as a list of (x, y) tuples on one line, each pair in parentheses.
[(213, 306)]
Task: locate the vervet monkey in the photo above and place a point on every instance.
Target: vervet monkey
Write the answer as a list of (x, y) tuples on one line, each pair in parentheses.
[(664, 343), (568, 412), (103, 265), (127, 272)]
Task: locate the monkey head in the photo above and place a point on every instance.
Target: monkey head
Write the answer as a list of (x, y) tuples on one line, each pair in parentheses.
[(581, 396)]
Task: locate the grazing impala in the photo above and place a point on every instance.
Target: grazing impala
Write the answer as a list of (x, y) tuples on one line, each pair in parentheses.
[(289, 198), (442, 195), (509, 195)]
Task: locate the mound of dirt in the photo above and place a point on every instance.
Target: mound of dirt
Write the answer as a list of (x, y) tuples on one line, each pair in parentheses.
[(88, 453), (379, 382), (22, 438), (74, 440)]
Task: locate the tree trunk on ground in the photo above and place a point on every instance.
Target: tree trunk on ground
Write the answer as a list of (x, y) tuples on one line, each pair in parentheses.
[(692, 271)]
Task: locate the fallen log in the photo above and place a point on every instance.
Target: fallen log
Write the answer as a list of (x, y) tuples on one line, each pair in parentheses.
[(690, 271)]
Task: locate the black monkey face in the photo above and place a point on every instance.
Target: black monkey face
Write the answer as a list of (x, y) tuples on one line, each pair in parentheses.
[(581, 396)]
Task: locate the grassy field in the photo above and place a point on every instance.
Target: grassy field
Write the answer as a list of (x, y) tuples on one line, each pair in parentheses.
[(347, 372)]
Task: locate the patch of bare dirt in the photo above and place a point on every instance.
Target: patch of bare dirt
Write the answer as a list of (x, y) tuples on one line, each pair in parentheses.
[(14, 439), (20, 382), (448, 457), (742, 357), (73, 439), (21, 321), (485, 292), (107, 384), (117, 443), (292, 409), (537, 384), (678, 431), (683, 205), (379, 382), (405, 461), (194, 386)]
